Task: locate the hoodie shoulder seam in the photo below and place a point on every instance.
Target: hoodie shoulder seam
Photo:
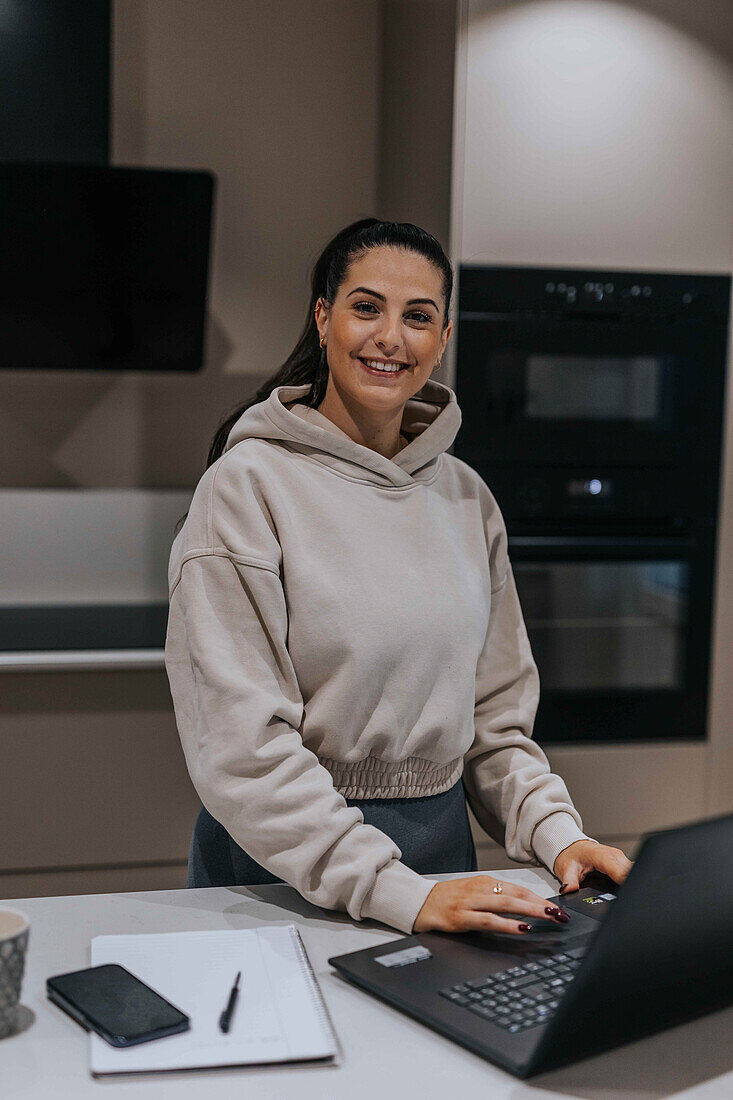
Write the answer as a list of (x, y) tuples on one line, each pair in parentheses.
[(222, 552), (212, 487)]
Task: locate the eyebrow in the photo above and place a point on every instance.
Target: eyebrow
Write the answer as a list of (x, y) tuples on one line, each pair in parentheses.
[(376, 294)]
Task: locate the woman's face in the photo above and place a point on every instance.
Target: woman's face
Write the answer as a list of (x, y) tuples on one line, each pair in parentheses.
[(389, 309)]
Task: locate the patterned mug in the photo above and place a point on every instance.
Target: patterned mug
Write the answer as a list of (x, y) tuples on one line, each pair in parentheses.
[(14, 928)]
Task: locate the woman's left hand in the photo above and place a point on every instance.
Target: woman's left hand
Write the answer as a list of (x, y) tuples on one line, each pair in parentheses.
[(584, 856)]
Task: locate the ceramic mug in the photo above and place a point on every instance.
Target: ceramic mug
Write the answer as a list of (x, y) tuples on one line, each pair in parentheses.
[(14, 929)]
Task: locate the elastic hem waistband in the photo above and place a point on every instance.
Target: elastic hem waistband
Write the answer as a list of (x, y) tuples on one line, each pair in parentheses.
[(375, 778)]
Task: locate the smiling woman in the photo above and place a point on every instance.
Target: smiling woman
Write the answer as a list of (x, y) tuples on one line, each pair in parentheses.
[(346, 651), (380, 349), (408, 260)]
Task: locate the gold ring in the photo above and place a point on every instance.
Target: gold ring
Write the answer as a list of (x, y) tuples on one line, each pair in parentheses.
[(498, 889)]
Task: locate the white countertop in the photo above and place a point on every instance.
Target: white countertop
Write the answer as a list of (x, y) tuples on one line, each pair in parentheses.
[(385, 1054)]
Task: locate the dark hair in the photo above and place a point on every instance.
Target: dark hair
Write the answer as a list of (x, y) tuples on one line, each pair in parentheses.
[(307, 361)]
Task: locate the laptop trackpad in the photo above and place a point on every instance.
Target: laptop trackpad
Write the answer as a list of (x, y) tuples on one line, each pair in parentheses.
[(548, 931), (545, 935)]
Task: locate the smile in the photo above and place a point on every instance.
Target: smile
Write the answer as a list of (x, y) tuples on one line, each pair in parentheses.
[(379, 366)]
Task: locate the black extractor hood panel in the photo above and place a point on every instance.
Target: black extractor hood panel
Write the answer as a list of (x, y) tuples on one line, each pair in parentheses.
[(103, 268)]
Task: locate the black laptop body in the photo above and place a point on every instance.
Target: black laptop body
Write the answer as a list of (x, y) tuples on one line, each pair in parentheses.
[(636, 959)]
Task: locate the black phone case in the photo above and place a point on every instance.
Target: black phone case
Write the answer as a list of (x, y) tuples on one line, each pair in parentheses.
[(77, 1013)]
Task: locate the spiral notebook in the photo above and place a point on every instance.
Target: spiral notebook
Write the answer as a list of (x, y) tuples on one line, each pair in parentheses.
[(280, 1014)]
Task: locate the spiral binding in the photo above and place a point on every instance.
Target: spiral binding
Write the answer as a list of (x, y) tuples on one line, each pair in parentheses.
[(316, 995)]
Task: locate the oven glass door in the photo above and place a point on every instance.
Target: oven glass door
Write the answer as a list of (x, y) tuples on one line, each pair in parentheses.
[(600, 387), (607, 625), (619, 634)]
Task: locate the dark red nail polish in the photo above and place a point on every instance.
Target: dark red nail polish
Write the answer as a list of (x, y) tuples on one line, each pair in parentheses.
[(525, 927), (563, 916), (563, 887), (552, 911)]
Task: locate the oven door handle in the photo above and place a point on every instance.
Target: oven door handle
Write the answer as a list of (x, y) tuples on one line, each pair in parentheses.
[(605, 547)]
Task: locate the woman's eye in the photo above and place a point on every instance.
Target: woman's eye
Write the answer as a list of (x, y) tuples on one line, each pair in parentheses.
[(418, 314)]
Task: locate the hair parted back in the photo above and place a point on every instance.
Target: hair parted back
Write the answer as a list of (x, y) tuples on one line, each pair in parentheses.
[(307, 361)]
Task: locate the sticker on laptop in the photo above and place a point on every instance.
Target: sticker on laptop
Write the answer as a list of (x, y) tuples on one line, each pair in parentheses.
[(404, 957), (598, 899)]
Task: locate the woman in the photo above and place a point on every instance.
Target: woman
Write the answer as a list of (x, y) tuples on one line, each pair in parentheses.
[(345, 647)]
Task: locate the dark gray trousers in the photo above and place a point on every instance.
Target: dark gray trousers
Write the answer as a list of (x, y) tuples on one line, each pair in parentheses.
[(433, 834)]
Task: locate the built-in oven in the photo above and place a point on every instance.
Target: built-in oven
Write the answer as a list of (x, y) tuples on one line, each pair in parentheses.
[(619, 628), (592, 406), (581, 367)]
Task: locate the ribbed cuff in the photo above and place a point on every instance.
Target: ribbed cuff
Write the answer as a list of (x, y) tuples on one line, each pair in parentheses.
[(397, 897), (553, 835)]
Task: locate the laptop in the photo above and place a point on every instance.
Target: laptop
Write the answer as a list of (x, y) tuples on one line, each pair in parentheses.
[(632, 960)]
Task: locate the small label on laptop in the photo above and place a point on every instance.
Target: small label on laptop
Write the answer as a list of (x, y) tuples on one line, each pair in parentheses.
[(404, 957), (598, 899)]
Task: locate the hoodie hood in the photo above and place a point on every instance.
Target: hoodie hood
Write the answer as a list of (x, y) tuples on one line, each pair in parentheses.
[(431, 420)]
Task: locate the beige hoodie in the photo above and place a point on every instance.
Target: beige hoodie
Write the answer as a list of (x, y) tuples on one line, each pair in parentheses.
[(345, 625)]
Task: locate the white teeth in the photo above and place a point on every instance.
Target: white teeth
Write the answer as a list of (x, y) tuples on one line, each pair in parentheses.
[(387, 367)]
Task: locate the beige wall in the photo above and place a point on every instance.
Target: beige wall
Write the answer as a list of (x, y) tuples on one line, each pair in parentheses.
[(601, 134), (416, 113), (281, 102), (597, 133)]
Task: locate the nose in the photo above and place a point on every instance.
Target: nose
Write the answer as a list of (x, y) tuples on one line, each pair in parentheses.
[(389, 340)]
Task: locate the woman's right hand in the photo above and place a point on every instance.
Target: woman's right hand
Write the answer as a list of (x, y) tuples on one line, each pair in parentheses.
[(470, 904)]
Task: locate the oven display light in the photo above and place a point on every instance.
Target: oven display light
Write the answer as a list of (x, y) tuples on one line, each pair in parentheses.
[(592, 487)]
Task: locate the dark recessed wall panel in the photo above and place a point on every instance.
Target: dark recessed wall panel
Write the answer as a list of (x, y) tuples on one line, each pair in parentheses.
[(55, 81)]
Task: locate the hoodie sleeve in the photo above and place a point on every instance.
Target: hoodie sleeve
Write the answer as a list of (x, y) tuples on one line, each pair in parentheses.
[(239, 709), (513, 793)]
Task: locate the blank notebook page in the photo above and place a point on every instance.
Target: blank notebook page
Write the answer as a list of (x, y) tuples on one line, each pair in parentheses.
[(279, 1017)]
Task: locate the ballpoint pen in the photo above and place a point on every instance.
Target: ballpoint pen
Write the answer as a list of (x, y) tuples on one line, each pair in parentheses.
[(226, 1017)]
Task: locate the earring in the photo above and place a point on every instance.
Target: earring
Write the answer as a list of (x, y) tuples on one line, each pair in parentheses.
[(322, 342), (437, 365)]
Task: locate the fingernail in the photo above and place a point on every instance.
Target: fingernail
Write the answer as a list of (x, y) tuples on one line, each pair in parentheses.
[(525, 927), (553, 911), (563, 916), (563, 887)]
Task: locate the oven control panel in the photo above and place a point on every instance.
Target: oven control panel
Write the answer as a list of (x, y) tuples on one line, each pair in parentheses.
[(521, 291)]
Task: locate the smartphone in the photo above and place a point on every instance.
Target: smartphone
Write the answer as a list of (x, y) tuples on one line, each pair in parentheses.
[(112, 1002)]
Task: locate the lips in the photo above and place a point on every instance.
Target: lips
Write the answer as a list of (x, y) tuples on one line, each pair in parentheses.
[(392, 363)]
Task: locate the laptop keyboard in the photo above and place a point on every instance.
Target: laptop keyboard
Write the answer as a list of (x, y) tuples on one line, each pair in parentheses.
[(522, 997)]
